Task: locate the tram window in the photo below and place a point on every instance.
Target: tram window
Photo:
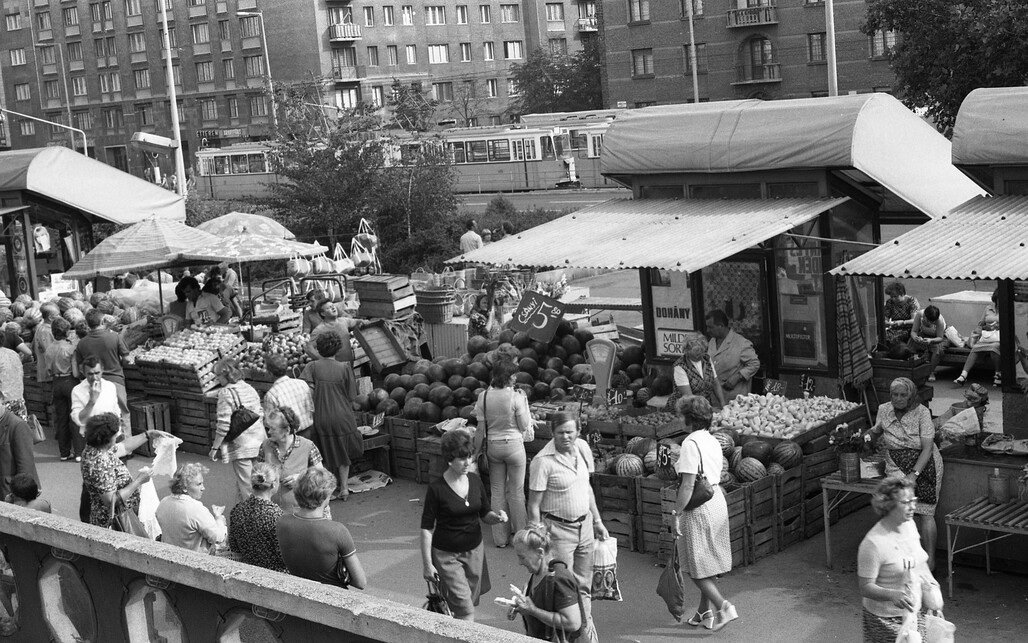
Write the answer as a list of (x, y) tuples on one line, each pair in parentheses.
[(258, 164), (151, 616), (239, 164), (597, 147), (499, 149), (519, 150), (579, 140), (530, 153), (477, 152), (457, 153), (221, 165), (547, 148)]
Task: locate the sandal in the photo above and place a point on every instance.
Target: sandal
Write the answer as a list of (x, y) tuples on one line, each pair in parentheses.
[(960, 380), (701, 619), (997, 379)]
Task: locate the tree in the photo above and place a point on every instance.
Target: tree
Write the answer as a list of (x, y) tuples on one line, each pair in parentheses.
[(558, 82), (412, 108), (467, 103), (946, 48)]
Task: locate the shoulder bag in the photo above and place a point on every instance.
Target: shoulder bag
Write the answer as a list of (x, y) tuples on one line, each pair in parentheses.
[(483, 456), (702, 491), (124, 519), (550, 633), (37, 429), (528, 435), (436, 603), (242, 418)]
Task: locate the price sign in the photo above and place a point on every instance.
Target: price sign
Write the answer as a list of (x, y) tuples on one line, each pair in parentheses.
[(663, 455), (807, 383), (616, 396), (537, 315), (593, 437), (584, 393), (377, 420), (774, 387)]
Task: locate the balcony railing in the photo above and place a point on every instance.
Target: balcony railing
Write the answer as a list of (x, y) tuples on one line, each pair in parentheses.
[(766, 73), (587, 24), (349, 73), (344, 32), (753, 16)]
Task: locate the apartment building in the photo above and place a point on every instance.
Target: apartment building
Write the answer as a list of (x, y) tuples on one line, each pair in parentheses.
[(765, 49)]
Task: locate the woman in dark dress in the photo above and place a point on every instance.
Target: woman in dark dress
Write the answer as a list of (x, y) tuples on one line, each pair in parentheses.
[(451, 534), (253, 522), (695, 375), (335, 428)]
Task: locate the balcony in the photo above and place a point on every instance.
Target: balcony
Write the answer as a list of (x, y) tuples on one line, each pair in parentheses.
[(348, 74), (753, 16), (587, 25), (346, 32), (756, 74)]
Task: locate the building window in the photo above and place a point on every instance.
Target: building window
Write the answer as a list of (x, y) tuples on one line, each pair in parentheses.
[(56, 118), (70, 16), (816, 47), (254, 66), (484, 14), (27, 128), (642, 63), (587, 9), (442, 92), (74, 51), (228, 68), (100, 47), (369, 16), (48, 55), (250, 27), (462, 14), (115, 81), (17, 57), (205, 72), (435, 15), (638, 11), (137, 42), (555, 13), (347, 98), (22, 92), (43, 21), (491, 89), (465, 52), (83, 120), (412, 54), (558, 46), (487, 51), (112, 46), (176, 74), (512, 49), (512, 87), (197, 3), (372, 56), (701, 59), (407, 14), (209, 109), (438, 54), (171, 36), (144, 114), (391, 55), (233, 107), (133, 7), (697, 8), (141, 78), (78, 86), (223, 30), (114, 118), (13, 21), (201, 33), (387, 16), (510, 13), (882, 43), (258, 106), (378, 96), (52, 89)]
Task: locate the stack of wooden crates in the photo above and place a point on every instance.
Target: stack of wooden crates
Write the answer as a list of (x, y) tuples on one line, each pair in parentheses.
[(384, 296)]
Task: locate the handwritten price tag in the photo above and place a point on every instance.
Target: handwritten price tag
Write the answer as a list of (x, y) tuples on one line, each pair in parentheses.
[(663, 455), (377, 419), (615, 396), (774, 387), (807, 383), (537, 315)]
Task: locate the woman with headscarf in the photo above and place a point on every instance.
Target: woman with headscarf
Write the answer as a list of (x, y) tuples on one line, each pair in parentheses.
[(908, 439), (695, 375)]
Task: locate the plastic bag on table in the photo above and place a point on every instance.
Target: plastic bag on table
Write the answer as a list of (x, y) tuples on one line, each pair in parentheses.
[(961, 424), (605, 570), (165, 462)]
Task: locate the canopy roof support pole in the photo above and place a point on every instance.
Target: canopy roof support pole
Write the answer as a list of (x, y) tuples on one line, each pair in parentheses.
[(30, 252)]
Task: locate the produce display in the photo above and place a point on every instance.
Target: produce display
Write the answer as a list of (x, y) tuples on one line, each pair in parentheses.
[(208, 339), (774, 416), (292, 346), (183, 357)]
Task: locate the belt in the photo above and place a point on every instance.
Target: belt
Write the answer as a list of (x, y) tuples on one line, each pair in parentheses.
[(566, 522), (504, 439)]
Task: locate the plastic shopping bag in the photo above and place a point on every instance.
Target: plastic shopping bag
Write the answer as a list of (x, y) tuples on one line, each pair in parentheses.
[(605, 571), (164, 462), (938, 629), (148, 502), (908, 631)]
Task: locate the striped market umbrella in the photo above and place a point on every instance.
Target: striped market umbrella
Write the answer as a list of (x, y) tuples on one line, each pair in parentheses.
[(854, 362), (235, 223)]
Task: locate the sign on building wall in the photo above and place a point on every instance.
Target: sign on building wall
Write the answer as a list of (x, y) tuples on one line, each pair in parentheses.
[(672, 311)]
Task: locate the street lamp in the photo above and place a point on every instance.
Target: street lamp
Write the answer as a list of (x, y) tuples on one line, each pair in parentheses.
[(67, 95), (180, 166), (267, 61), (85, 145)]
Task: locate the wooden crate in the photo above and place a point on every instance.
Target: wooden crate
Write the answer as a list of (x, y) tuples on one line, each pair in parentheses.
[(430, 467), (791, 527), (791, 515), (623, 526), (762, 541), (648, 502), (382, 287), (737, 499), (149, 416), (789, 488), (380, 345), (763, 501), (665, 543), (631, 430), (606, 428), (404, 433), (818, 465), (614, 493), (403, 463)]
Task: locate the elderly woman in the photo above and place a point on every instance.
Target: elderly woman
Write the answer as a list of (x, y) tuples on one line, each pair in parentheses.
[(986, 343), (892, 567), (290, 453), (928, 335), (335, 428), (694, 374), (184, 521), (451, 536), (104, 476), (900, 309), (704, 545), (908, 439), (243, 450), (253, 522), (314, 546), (503, 416), (485, 319), (551, 604)]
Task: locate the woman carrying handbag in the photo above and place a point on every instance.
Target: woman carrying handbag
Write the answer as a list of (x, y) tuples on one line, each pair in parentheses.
[(701, 530)]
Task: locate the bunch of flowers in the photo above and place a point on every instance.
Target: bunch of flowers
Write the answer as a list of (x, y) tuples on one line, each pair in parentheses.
[(850, 440)]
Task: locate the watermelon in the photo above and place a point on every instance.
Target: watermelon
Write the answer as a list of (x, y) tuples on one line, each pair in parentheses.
[(735, 458), (560, 382), (436, 373), (442, 396), (632, 355), (634, 371), (405, 382), (724, 463), (530, 366), (750, 470), (421, 366), (378, 396), (388, 407), (521, 340), (462, 396), (629, 465), (547, 375), (455, 381), (391, 381), (775, 469), (559, 352), (583, 336), (726, 441), (663, 385), (467, 412), (412, 407), (422, 390), (758, 449), (726, 477), (668, 472), (361, 403), (564, 327), (522, 377), (451, 412), (571, 345), (429, 412), (642, 396), (479, 371), (650, 461), (788, 454), (541, 391), (557, 393), (477, 344), (454, 367), (506, 336), (417, 378), (399, 394), (641, 446)]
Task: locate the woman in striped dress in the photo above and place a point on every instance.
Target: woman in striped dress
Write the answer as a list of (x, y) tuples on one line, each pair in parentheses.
[(704, 546)]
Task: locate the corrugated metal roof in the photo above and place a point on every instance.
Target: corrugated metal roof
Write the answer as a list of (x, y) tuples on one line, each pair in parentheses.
[(985, 238), (671, 234)]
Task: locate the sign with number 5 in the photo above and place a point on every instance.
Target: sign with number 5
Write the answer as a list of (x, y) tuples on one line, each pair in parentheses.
[(537, 315)]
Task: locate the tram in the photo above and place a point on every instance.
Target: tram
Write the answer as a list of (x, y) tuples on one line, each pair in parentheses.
[(236, 171)]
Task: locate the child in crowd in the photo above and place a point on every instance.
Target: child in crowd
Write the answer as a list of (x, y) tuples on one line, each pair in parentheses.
[(25, 493)]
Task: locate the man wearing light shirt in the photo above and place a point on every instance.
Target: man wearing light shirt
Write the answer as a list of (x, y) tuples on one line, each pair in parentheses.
[(93, 396)]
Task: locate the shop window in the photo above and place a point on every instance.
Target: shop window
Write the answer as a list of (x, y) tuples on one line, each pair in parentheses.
[(738, 288), (799, 277), (241, 625), (151, 616), (67, 605), (8, 598)]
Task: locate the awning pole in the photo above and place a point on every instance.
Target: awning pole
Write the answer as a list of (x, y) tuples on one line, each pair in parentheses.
[(160, 289)]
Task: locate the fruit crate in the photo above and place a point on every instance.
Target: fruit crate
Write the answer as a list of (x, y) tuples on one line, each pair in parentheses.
[(384, 296), (737, 499), (135, 381), (403, 434), (149, 415), (791, 516), (648, 511), (431, 445), (194, 418), (763, 541), (380, 345), (624, 526), (816, 466), (763, 501), (606, 428), (430, 466), (615, 493)]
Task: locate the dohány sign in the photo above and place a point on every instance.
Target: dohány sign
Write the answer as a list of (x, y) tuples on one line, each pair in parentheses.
[(672, 311), (537, 315)]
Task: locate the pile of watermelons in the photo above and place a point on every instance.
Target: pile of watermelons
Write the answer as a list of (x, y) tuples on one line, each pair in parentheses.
[(445, 388)]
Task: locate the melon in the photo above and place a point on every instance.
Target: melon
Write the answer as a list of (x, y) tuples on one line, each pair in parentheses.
[(668, 471), (632, 442), (477, 344), (724, 464), (430, 412), (663, 385), (650, 461), (391, 381), (455, 381), (528, 353), (583, 336), (788, 454), (521, 340), (361, 403), (541, 391), (405, 381), (557, 393), (540, 349), (467, 412), (571, 345), (735, 458), (422, 390), (642, 396), (629, 465), (389, 408), (759, 450), (564, 327), (421, 366), (479, 371), (643, 446), (377, 396), (750, 470), (436, 373), (451, 412), (417, 378), (412, 408), (462, 396), (726, 441), (442, 396), (454, 367), (530, 366), (726, 477), (558, 351), (634, 371), (547, 375), (775, 469), (399, 394), (506, 335), (560, 382), (522, 377)]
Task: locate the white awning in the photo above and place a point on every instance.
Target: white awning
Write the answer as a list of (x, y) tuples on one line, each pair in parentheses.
[(992, 127)]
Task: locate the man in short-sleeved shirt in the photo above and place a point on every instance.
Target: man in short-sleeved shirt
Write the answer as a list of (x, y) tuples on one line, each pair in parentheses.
[(470, 240), (288, 392), (202, 308)]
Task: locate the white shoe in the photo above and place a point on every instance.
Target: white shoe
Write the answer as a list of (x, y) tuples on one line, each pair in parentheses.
[(705, 619), (724, 616)]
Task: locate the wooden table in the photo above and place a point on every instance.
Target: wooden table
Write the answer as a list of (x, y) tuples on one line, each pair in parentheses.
[(1009, 518), (828, 503)]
